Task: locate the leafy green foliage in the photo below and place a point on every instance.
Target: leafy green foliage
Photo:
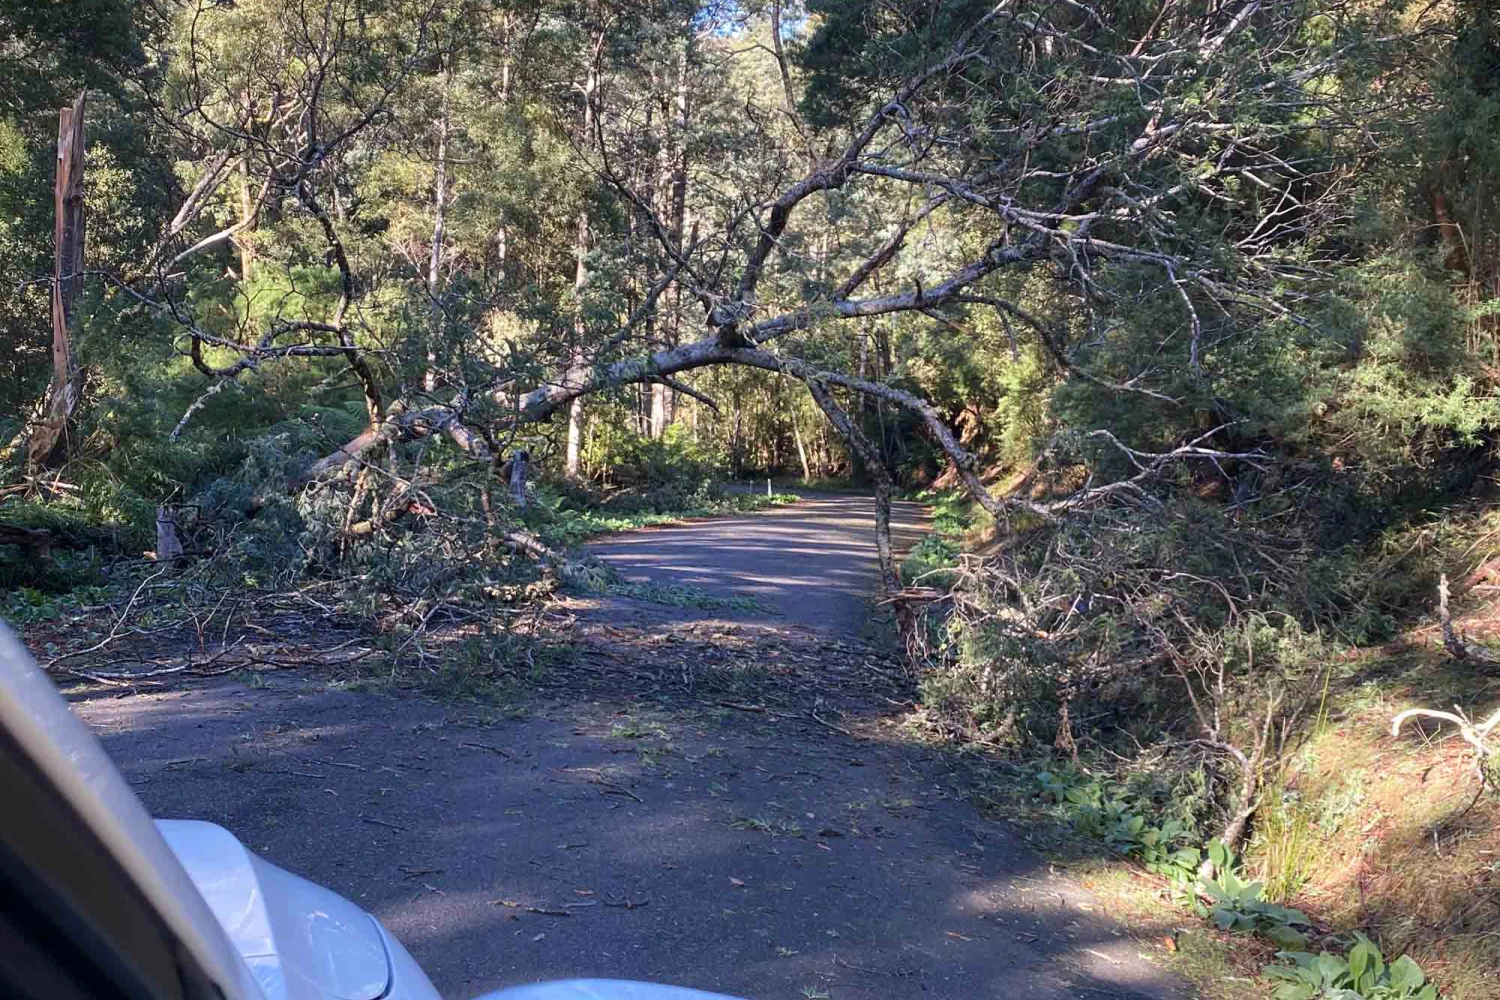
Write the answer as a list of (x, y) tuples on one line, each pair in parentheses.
[(926, 562), (1107, 812), (24, 606), (1236, 905), (620, 455), (1361, 974)]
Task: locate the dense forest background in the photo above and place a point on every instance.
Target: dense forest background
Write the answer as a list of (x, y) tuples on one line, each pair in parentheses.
[(1188, 311)]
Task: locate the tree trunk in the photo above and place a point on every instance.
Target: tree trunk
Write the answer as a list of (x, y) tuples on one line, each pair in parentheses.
[(864, 363), (661, 409), (67, 277), (572, 458), (518, 463), (801, 449), (736, 424), (787, 91), (506, 44), (168, 545), (435, 251), (247, 220), (663, 399)]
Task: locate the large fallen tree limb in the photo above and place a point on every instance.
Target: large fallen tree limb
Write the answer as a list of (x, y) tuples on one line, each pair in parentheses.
[(1031, 216)]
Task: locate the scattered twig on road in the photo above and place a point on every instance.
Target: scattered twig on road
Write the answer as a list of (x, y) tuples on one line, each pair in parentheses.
[(825, 722), (486, 746), (857, 968), (418, 872), (598, 779), (610, 786), (381, 822)]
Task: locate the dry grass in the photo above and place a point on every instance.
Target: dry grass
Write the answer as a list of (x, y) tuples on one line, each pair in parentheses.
[(1387, 845), (1364, 832), (1221, 966)]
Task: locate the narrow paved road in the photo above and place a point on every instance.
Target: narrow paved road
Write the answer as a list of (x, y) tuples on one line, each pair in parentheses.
[(722, 804), (814, 561)]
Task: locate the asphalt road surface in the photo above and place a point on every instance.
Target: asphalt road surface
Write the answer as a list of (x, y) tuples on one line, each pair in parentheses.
[(728, 806), (813, 562)]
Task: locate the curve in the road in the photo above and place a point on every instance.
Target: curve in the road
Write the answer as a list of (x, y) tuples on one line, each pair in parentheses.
[(813, 561)]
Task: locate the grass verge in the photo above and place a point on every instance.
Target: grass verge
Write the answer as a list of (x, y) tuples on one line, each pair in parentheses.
[(561, 525), (1366, 833)]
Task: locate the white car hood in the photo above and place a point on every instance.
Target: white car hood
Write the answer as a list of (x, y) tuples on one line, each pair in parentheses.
[(301, 941)]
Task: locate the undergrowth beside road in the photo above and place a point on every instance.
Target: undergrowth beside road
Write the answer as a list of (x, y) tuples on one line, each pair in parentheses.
[(932, 561), (1381, 851), (1386, 834), (109, 564)]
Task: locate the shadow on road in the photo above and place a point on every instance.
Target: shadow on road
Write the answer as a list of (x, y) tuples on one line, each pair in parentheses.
[(718, 849), (726, 804)]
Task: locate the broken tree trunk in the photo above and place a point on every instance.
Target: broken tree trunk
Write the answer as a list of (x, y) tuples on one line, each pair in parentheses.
[(168, 545), (67, 275), (36, 541), (518, 464)]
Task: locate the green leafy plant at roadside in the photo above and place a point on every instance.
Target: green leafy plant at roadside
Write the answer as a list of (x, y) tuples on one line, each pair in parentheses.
[(1106, 811), (1362, 974), (28, 605), (1103, 811), (1234, 904), (928, 561)]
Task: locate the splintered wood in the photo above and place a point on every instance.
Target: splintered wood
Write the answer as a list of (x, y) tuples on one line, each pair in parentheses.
[(67, 277)]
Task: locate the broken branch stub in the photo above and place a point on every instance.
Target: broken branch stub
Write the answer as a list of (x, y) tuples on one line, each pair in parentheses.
[(168, 544), (518, 463), (67, 275)]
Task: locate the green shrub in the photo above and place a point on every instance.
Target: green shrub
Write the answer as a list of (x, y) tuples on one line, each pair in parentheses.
[(618, 455), (1236, 905), (1106, 812), (938, 550), (1362, 974)]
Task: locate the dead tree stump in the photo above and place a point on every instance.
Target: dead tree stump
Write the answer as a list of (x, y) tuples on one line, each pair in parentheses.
[(36, 542)]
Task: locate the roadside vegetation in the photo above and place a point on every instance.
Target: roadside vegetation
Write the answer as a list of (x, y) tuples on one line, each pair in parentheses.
[(1366, 858)]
